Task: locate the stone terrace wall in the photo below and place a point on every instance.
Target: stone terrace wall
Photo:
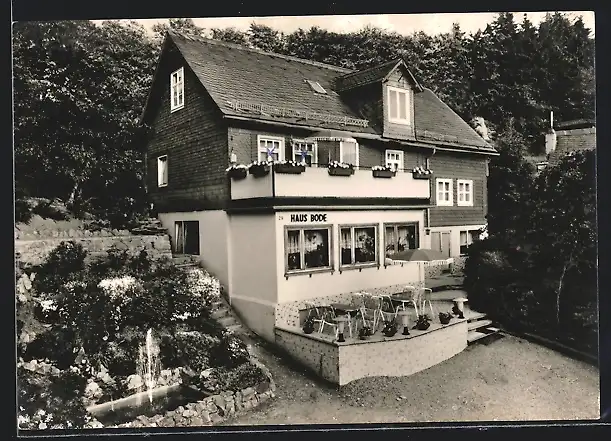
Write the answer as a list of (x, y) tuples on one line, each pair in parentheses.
[(33, 247)]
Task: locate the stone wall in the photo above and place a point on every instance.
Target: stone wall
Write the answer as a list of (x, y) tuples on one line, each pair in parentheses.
[(33, 248)]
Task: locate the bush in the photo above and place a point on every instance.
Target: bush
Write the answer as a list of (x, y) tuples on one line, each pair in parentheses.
[(230, 352), (234, 379), (47, 401), (58, 345), (187, 349), (64, 263)]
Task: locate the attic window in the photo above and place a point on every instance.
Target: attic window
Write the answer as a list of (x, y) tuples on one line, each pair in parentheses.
[(316, 87), (177, 90)]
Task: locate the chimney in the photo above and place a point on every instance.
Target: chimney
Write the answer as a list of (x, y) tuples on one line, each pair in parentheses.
[(550, 136)]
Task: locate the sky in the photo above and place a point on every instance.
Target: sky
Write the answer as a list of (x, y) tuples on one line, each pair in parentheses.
[(402, 23)]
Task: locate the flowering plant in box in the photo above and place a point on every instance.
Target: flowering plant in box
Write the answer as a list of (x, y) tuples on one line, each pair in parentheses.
[(237, 171), (382, 168), (337, 164), (421, 170)]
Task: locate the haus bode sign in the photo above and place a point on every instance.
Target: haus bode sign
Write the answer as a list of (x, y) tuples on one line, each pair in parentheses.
[(309, 217)]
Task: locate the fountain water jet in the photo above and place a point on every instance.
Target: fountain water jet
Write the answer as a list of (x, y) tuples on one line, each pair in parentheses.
[(148, 365)]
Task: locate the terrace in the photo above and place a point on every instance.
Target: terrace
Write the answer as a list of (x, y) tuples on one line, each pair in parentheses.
[(341, 362)]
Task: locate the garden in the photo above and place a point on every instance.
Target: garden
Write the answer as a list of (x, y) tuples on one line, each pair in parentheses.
[(537, 272), (100, 331)]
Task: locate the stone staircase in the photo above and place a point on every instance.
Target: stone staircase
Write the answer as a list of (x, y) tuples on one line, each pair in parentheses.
[(479, 327), (222, 312)]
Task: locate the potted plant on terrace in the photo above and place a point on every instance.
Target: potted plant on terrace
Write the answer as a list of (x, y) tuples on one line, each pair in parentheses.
[(383, 171), (365, 332), (289, 167), (445, 317), (308, 325), (259, 168), (422, 323), (237, 171), (340, 169), (421, 173), (390, 328)]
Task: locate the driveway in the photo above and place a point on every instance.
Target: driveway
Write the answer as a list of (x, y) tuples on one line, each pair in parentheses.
[(505, 379)]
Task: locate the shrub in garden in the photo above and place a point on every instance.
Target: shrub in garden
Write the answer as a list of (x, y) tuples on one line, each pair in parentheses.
[(47, 401), (189, 349), (64, 263), (229, 352), (234, 379)]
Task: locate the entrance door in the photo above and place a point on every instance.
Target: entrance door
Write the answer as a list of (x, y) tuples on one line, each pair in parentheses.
[(187, 237), (440, 241)]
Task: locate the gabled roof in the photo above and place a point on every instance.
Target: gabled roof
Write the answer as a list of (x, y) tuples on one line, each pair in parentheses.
[(253, 84), (373, 75)]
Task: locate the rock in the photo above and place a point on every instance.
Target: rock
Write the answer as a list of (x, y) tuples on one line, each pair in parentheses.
[(166, 422), (197, 421), (219, 401), (165, 373), (180, 410), (249, 391), (212, 407), (134, 381), (205, 416), (215, 418)]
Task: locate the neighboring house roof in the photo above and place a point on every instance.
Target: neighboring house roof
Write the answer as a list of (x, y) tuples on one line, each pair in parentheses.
[(250, 83), (576, 124)]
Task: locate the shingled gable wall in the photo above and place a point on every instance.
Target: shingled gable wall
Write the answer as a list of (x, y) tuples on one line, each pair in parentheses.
[(459, 166), (400, 80), (195, 140)]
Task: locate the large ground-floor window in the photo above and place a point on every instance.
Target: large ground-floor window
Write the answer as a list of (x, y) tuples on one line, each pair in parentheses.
[(466, 239), (400, 237), (308, 248), (358, 245)]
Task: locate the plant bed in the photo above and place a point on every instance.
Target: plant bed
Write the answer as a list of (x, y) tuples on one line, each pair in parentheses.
[(289, 168)]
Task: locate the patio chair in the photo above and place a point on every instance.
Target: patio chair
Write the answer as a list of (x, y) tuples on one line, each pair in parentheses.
[(372, 310), (388, 311), (317, 313), (425, 297), (328, 324), (415, 298)]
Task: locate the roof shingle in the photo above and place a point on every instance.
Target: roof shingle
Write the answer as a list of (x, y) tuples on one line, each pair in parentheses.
[(234, 74)]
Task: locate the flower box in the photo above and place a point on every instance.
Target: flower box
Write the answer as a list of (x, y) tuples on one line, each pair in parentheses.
[(418, 175), (258, 170), (340, 169), (383, 173), (291, 169), (237, 173)]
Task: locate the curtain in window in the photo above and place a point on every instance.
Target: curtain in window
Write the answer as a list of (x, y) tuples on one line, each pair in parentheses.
[(293, 250), (402, 105), (402, 238), (390, 240), (345, 240), (349, 152), (393, 103)]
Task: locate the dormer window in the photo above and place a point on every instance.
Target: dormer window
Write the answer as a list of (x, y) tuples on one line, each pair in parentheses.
[(398, 105), (316, 87), (177, 90)]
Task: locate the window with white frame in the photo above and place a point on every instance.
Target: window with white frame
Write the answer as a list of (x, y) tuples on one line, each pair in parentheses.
[(271, 148), (466, 239), (162, 171), (349, 152), (307, 248), (394, 159), (445, 196), (464, 192), (177, 89), (358, 245), (306, 152), (400, 237), (398, 105)]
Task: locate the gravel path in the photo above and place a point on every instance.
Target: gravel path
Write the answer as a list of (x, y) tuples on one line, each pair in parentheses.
[(506, 379)]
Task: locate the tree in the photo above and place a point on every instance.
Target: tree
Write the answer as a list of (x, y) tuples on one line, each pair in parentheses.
[(230, 35), (77, 108), (509, 188), (184, 26), (564, 225), (265, 38)]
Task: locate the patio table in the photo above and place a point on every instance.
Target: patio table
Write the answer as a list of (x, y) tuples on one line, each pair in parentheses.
[(344, 308)]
